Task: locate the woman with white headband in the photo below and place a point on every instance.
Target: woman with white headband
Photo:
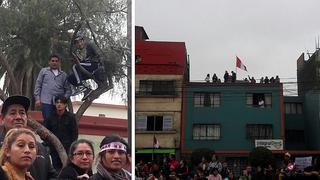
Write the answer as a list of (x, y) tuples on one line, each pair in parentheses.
[(113, 157)]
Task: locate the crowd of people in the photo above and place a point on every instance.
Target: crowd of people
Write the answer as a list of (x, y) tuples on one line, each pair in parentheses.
[(232, 78), (170, 168), (23, 157)]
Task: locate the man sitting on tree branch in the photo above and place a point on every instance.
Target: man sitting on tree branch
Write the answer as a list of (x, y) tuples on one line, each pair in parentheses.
[(87, 65)]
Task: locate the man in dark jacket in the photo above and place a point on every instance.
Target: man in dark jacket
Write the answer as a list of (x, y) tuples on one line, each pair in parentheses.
[(86, 64), (62, 124), (14, 115)]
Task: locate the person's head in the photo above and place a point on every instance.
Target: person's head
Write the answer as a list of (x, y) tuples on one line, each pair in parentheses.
[(215, 171), (81, 154), (113, 153), (214, 158), (14, 112), (244, 173), (287, 156), (172, 157), (249, 169), (230, 175), (60, 103), (54, 61), (259, 168), (225, 164), (79, 41), (19, 148)]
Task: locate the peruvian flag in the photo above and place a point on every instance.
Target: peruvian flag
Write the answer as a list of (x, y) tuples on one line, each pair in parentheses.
[(240, 65), (155, 142)]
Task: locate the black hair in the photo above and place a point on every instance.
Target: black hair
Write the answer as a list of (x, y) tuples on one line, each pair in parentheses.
[(54, 56), (74, 146), (63, 99), (113, 138)]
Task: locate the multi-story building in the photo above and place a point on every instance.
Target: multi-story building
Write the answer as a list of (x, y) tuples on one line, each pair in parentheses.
[(227, 118), (308, 76), (308, 73), (161, 69)]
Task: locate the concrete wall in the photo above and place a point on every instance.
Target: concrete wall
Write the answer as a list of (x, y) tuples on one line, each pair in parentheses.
[(159, 105), (108, 110)]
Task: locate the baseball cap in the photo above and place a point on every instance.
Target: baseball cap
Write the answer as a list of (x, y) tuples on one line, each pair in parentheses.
[(22, 100), (79, 36)]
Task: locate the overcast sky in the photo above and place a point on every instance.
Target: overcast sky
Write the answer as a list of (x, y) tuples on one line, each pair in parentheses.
[(268, 36)]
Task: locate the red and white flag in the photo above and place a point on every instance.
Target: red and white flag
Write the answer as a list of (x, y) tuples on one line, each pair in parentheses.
[(155, 142), (240, 65)]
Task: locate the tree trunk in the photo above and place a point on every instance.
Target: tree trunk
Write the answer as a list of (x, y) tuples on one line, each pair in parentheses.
[(39, 129), (94, 95)]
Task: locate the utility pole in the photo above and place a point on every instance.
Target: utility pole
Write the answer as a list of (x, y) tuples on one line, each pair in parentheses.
[(129, 66)]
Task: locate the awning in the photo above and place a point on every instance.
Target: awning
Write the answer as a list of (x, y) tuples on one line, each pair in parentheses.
[(155, 151)]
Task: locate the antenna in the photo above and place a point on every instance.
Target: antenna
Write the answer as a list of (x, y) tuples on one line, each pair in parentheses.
[(317, 43)]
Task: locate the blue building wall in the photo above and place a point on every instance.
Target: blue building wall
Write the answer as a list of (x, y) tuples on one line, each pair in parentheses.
[(295, 121), (233, 114), (312, 111)]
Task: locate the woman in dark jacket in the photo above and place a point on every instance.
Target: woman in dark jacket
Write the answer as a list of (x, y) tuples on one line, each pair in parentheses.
[(81, 156), (17, 154)]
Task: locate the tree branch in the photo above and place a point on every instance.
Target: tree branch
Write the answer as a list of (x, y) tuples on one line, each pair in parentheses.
[(94, 95), (10, 73), (3, 95), (39, 129), (123, 10)]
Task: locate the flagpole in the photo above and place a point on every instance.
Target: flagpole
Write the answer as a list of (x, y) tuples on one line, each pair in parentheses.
[(236, 66), (154, 128)]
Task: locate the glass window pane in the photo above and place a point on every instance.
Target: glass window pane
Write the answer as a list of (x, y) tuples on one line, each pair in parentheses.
[(267, 99), (158, 123), (196, 131), (167, 122), (287, 108), (299, 108), (293, 108), (150, 123), (141, 122), (216, 100), (197, 100)]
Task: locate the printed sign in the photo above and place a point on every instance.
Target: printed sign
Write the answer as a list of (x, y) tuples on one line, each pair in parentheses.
[(271, 144), (303, 162)]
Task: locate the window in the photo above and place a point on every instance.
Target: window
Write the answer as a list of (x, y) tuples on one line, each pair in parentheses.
[(157, 87), (206, 131), (259, 100), (295, 136), (259, 131), (293, 108), (206, 99), (154, 123)]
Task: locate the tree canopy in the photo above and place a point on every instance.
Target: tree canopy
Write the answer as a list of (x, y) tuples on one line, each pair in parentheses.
[(32, 30)]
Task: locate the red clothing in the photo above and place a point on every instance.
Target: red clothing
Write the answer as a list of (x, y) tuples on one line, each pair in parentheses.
[(174, 164)]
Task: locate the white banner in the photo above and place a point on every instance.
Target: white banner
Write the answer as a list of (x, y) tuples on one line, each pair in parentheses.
[(271, 144), (303, 162)]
